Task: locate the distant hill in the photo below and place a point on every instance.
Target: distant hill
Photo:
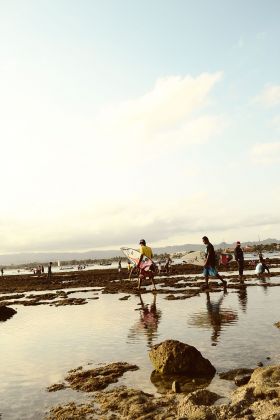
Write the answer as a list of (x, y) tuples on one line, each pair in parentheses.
[(43, 257)]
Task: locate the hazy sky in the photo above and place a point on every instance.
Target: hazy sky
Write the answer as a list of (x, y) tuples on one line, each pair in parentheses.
[(123, 119)]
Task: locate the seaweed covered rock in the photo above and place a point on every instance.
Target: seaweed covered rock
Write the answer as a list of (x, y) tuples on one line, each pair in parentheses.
[(173, 357), (98, 378)]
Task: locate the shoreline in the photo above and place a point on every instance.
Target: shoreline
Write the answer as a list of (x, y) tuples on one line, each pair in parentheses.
[(114, 282)]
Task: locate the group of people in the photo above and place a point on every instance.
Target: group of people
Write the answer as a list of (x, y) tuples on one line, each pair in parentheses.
[(149, 269)]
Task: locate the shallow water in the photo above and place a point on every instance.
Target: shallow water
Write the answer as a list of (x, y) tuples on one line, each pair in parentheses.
[(40, 344)]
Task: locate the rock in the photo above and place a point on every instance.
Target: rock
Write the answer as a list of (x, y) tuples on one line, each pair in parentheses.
[(260, 364), (70, 301), (72, 411), (197, 405), (56, 387), (125, 297), (261, 395), (242, 379), (230, 375), (277, 324), (173, 357), (126, 404), (98, 378), (6, 313), (176, 387)]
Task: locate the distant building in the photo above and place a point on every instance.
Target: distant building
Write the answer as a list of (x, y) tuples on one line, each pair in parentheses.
[(248, 248)]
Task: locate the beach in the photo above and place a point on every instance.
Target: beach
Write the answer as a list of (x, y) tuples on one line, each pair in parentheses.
[(87, 319)]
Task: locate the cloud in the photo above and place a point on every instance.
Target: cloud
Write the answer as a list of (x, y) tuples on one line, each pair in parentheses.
[(270, 96), (266, 153), (170, 112)]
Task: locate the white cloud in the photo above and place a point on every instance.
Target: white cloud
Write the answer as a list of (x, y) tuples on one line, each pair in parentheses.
[(270, 96), (266, 153), (167, 113)]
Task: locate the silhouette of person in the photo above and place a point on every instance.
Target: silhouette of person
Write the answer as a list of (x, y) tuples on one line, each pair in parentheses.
[(50, 271)]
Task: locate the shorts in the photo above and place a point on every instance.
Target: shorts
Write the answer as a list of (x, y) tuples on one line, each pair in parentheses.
[(210, 271)]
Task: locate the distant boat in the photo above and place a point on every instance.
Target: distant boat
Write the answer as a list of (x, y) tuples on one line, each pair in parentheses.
[(105, 263)]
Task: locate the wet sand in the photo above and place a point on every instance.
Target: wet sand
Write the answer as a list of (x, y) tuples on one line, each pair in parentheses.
[(114, 282)]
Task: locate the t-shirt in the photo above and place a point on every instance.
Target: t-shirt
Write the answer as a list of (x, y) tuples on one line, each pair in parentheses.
[(238, 253), (146, 251), (212, 257)]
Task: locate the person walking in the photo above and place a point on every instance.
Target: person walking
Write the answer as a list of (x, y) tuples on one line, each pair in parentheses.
[(167, 264), (239, 258), (147, 268), (50, 271), (210, 263)]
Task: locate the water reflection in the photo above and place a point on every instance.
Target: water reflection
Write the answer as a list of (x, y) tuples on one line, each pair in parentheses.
[(264, 284), (215, 316), (148, 322), (243, 298), (163, 383)]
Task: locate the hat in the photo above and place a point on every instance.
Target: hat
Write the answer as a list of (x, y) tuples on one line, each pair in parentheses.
[(142, 241), (238, 243)]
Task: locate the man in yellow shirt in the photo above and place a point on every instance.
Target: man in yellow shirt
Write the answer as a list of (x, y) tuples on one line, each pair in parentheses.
[(147, 268)]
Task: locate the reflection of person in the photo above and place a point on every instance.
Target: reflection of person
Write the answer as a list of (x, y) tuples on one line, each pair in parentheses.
[(239, 257), (148, 323), (210, 263), (2, 271), (147, 268), (243, 298), (218, 317), (264, 285)]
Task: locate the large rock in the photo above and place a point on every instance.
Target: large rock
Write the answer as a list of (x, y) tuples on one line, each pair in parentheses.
[(173, 357)]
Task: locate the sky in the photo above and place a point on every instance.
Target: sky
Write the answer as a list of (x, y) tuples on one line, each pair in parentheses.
[(130, 119)]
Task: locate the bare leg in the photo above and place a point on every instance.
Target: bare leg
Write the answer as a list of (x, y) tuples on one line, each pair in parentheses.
[(152, 280), (222, 280)]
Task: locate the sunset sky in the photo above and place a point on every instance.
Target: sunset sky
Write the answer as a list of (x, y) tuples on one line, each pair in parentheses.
[(123, 119)]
